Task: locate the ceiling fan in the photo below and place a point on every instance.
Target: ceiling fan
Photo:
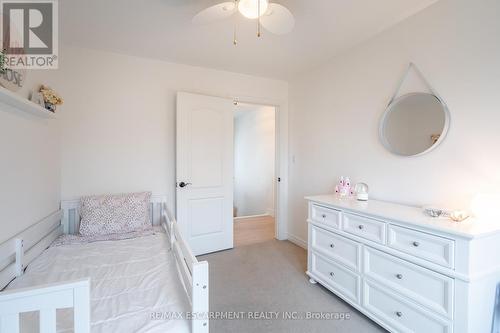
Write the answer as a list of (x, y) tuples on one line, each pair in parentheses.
[(274, 17)]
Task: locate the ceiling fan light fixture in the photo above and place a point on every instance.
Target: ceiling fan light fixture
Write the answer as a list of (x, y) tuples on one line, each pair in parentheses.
[(249, 8)]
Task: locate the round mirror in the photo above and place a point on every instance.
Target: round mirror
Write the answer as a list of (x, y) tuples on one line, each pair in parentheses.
[(414, 124)]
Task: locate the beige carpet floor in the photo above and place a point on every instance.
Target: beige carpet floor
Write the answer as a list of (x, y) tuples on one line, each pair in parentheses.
[(270, 277)]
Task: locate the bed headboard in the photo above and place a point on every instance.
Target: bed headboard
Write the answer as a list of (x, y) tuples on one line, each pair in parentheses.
[(71, 213)]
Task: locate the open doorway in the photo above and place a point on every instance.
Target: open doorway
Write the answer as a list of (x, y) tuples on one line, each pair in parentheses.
[(254, 174)]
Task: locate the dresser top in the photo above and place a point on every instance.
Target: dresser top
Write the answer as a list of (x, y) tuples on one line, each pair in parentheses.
[(470, 228)]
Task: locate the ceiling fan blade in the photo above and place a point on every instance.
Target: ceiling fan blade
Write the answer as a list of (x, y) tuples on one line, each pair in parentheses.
[(277, 19), (214, 13)]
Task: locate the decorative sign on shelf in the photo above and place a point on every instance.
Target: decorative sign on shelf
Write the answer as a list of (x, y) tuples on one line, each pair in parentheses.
[(37, 98), (11, 79)]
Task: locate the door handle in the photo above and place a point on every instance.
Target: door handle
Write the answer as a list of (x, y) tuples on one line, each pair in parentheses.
[(183, 184)]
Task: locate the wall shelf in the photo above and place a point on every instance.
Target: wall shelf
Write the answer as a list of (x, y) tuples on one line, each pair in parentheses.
[(13, 100)]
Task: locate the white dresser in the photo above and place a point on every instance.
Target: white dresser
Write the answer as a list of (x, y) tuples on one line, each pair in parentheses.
[(404, 270)]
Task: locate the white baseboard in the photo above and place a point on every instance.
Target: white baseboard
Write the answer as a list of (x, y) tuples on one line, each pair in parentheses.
[(238, 218), (297, 241)]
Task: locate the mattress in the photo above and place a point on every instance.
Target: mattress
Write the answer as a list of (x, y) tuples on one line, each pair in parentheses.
[(132, 281)]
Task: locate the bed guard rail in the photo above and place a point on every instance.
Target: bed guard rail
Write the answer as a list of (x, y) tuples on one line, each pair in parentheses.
[(193, 273), (46, 299)]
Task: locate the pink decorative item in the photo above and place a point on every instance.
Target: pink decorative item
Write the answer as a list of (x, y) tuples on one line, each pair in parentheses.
[(344, 187)]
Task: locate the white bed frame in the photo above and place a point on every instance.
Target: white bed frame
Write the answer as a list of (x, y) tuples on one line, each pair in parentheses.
[(18, 252)]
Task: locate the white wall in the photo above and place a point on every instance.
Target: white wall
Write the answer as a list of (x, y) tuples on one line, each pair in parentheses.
[(254, 145), (29, 170), (118, 119), (335, 112)]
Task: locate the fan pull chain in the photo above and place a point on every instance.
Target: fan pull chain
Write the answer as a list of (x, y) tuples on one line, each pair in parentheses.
[(235, 40), (258, 18)]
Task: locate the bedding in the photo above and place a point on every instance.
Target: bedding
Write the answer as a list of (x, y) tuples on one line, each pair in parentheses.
[(80, 239), (131, 280), (114, 214)]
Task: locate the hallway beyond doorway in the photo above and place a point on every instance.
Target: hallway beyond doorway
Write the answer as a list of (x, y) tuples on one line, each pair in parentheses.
[(252, 230)]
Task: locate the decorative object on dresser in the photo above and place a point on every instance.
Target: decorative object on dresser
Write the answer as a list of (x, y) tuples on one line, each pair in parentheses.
[(459, 215), (406, 271), (434, 211), (344, 187), (361, 190), (454, 215), (426, 112)]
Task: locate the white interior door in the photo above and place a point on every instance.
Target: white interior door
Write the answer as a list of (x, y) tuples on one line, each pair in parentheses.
[(204, 171)]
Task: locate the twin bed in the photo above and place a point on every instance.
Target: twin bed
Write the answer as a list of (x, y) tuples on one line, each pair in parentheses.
[(145, 281)]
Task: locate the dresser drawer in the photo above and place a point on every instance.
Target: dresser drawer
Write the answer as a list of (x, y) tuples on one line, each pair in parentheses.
[(400, 314), (342, 280), (336, 247), (433, 248), (328, 216), (433, 290), (364, 227)]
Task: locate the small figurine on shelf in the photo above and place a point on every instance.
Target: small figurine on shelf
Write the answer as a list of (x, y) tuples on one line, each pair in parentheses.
[(51, 98), (344, 187)]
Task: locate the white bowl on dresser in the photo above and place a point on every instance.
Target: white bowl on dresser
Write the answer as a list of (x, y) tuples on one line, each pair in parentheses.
[(404, 270)]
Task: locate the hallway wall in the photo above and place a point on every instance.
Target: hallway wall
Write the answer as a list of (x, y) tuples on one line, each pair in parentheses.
[(254, 160)]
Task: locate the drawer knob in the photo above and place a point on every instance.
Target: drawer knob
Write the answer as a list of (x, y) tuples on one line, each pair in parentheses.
[(399, 276), (416, 244), (332, 274), (399, 314), (323, 216), (361, 227), (332, 245)]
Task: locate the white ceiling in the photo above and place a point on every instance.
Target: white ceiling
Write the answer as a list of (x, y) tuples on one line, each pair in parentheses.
[(162, 29)]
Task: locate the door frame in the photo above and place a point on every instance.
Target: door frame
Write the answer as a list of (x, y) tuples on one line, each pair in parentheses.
[(281, 155), (280, 164)]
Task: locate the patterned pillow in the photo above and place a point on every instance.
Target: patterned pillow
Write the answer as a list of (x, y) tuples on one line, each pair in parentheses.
[(114, 214)]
